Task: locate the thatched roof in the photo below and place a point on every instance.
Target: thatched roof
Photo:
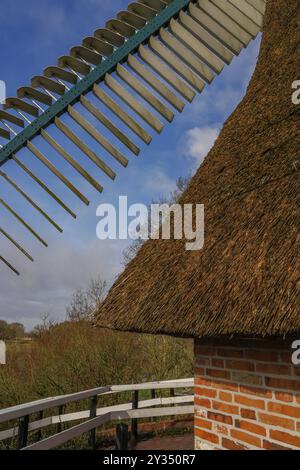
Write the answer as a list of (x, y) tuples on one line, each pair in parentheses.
[(246, 280)]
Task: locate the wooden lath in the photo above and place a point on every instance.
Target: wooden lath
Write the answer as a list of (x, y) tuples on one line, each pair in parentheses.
[(154, 58)]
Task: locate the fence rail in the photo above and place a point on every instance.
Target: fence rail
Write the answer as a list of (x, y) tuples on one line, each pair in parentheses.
[(95, 417)]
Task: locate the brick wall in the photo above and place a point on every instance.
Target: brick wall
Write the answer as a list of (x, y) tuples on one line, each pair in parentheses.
[(247, 396)]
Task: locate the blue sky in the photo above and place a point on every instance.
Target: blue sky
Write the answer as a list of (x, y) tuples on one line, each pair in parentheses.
[(33, 35)]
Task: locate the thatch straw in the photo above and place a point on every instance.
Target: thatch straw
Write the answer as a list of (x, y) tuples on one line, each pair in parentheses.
[(246, 281)]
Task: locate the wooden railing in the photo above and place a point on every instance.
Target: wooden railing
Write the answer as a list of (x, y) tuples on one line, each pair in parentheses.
[(94, 417)]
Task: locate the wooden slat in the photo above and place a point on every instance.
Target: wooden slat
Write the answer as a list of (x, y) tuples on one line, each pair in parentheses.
[(216, 29), (223, 19), (144, 93), (109, 125), (16, 244), (139, 109), (259, 5), (23, 222), (176, 64), (159, 67), (187, 56), (155, 83), (84, 148), (67, 157), (249, 11), (43, 186), (39, 155), (31, 202), (97, 136), (237, 16), (204, 36), (196, 46), (121, 114), (10, 266)]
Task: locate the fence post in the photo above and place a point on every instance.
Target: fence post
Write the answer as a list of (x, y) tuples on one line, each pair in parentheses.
[(172, 395), (153, 396), (134, 421), (93, 414), (59, 427), (23, 432), (122, 436), (40, 432)]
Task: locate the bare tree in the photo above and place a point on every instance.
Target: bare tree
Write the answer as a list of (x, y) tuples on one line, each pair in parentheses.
[(135, 246), (84, 302)]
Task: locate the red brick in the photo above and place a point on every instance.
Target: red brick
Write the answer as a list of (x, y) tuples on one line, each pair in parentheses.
[(248, 414), (286, 397), (229, 386), (247, 378), (276, 369), (249, 402), (204, 382), (202, 423), (244, 437), (285, 437), (226, 408), (207, 436), (201, 350), (218, 363), (285, 410), (225, 396), (219, 374), (240, 365), (251, 427), (282, 383), (230, 352), (264, 356), (260, 392), (205, 392), (277, 421), (272, 446), (203, 361), (219, 417), (220, 429), (231, 445), (199, 371), (286, 357), (202, 402)]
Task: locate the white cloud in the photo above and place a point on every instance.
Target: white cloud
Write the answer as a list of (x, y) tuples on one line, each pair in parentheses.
[(199, 141)]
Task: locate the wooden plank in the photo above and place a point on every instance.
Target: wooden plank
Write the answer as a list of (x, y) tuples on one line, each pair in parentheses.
[(259, 5), (142, 91), (39, 405), (97, 136), (125, 96), (121, 114), (41, 157), (85, 149), (155, 83), (187, 56), (225, 21), (249, 11), (216, 29), (204, 36), (109, 125), (68, 434), (176, 64), (196, 46), (67, 157), (167, 74), (237, 16)]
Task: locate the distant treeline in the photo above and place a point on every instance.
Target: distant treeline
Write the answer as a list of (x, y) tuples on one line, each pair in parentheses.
[(9, 331)]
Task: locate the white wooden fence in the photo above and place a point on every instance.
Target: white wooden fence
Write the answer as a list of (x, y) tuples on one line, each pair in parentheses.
[(176, 404)]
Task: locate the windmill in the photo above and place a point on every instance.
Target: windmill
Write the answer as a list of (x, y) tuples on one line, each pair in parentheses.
[(153, 57)]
